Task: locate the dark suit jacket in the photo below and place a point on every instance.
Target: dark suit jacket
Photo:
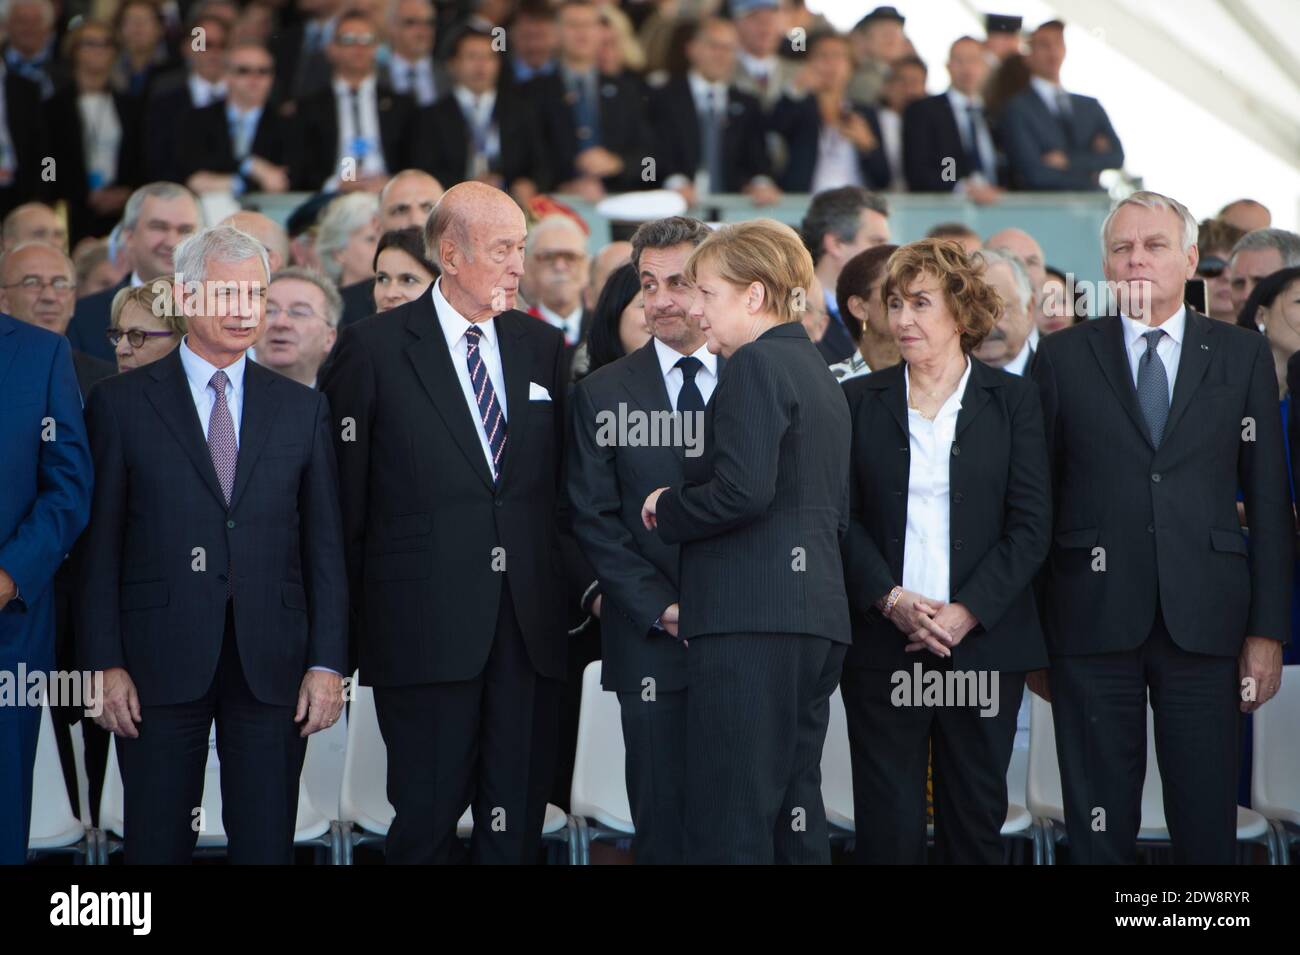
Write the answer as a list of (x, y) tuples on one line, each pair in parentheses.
[(623, 128), (69, 151), (143, 605), (798, 123), (314, 142), (29, 133), (90, 319), (358, 301), (442, 81), (166, 102), (636, 569), (930, 138), (90, 370), (761, 536), (677, 147), (296, 73), (441, 141), (1000, 518), (422, 516), (1028, 130), (205, 143), (1165, 520)]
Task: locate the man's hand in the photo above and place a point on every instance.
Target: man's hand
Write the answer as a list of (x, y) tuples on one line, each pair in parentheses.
[(648, 516), (1101, 143), (1056, 159), (8, 589), (914, 614), (687, 191), (587, 188), (957, 620), (1260, 668), (1036, 680), (598, 161), (670, 618), (320, 700), (595, 606), (121, 704), (857, 131), (269, 176), (983, 194)]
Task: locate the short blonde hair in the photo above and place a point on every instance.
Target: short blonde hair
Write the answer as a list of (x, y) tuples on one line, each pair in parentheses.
[(762, 251), (974, 304), (155, 298)]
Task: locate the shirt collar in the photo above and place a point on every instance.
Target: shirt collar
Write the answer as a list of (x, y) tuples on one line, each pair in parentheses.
[(234, 112), (468, 99), (1174, 326), (571, 321), (342, 91), (136, 281), (669, 357), (961, 101), (754, 66), (1016, 366), (199, 371), (1048, 90), (454, 324), (702, 88)]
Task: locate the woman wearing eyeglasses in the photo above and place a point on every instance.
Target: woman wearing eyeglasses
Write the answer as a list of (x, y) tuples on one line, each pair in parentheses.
[(142, 327)]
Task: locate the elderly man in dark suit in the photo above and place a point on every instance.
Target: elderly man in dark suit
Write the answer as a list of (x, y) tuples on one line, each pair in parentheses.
[(450, 435), (1155, 418), (212, 584), (637, 573)]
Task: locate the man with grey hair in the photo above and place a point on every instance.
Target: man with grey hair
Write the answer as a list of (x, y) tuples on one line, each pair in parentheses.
[(1257, 255), (1155, 418), (555, 273), (30, 51), (636, 592), (303, 309), (1007, 346), (451, 422), (218, 476), (157, 217)]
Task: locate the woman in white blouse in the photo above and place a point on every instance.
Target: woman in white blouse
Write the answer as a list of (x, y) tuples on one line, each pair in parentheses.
[(949, 521)]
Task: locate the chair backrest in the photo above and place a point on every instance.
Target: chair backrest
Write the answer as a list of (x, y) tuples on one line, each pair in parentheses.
[(322, 769), (837, 770), (599, 779), (53, 823), (1275, 756), (363, 797)]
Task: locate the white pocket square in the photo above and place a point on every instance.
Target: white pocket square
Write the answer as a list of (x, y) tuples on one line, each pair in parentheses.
[(537, 393)]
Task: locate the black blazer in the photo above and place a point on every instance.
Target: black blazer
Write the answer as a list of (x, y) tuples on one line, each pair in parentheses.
[(636, 568), (29, 133), (147, 601), (314, 138), (69, 150), (1165, 520), (167, 100), (676, 127), (441, 141), (423, 520), (90, 370), (799, 124), (930, 138), (999, 512), (358, 301), (90, 318), (205, 143), (623, 128), (761, 535)]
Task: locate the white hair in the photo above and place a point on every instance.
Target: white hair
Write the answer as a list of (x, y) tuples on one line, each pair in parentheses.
[(221, 243), (341, 218), (1019, 274), (1154, 200), (1286, 243), (158, 190)]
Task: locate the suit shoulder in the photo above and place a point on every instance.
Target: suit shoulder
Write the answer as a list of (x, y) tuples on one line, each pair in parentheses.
[(42, 341), (544, 332), (855, 388), (926, 106)]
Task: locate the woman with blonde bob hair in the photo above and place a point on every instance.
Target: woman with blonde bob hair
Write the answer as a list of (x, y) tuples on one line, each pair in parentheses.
[(944, 540), (143, 326), (759, 520)]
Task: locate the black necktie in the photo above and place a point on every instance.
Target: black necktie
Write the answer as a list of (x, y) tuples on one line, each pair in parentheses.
[(972, 140), (689, 398)]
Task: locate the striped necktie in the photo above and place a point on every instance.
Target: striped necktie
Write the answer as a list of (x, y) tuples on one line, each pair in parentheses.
[(489, 409)]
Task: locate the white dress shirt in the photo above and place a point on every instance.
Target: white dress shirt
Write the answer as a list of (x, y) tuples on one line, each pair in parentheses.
[(1169, 348), (1016, 366), (837, 162), (101, 137), (454, 326), (891, 141), (203, 93), (421, 86), (484, 133), (706, 379), (373, 161), (198, 372), (926, 566), (961, 104), (570, 324), (1050, 93)]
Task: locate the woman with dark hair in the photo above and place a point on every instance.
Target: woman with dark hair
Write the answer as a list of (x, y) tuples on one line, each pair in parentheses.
[(857, 294), (1058, 301), (617, 325), (141, 34), (402, 270)]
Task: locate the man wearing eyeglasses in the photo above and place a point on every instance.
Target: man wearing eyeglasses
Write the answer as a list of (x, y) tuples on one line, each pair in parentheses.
[(353, 133), (411, 69), (237, 145), (555, 273), (303, 309)]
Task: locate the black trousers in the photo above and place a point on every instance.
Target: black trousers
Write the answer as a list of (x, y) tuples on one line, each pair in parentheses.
[(756, 715), (1099, 704), (654, 734), (488, 742), (261, 755), (890, 747)]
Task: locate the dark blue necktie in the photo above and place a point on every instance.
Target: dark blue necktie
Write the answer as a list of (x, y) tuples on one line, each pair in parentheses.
[(689, 398), (973, 159), (1153, 387), (489, 409)]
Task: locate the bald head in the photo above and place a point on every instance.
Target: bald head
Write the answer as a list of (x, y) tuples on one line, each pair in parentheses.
[(266, 231), (1024, 247), (30, 272), (1247, 215), (407, 199), (34, 221), (606, 261), (476, 236)]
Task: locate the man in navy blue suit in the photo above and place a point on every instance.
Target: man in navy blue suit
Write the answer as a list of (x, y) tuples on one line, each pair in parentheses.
[(45, 482), (1055, 139)]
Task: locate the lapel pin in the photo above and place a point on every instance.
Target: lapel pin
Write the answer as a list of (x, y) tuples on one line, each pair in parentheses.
[(1205, 347)]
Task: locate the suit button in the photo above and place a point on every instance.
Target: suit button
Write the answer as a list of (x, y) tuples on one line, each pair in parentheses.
[(956, 450), (1155, 479), (904, 450), (898, 494), (1151, 528), (230, 523), (499, 502), (956, 545), (894, 540), (957, 498)]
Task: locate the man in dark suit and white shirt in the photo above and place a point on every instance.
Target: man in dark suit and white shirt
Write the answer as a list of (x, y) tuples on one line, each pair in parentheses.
[(212, 583), (1055, 139), (637, 573), (1155, 419), (411, 69), (450, 417)]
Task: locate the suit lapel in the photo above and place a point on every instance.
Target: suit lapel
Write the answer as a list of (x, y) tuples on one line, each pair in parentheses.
[(1108, 344), (262, 396), (170, 395), (644, 381), (976, 396), (893, 392), (1193, 362), (516, 360), (431, 360)]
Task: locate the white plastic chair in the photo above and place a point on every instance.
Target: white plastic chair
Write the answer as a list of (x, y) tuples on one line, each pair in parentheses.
[(1047, 802), (311, 828), (1275, 763), (598, 800), (364, 810), (54, 827)]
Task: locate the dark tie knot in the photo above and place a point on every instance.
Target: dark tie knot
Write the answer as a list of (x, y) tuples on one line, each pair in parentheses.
[(218, 383), (690, 366), (1153, 338), (473, 335)]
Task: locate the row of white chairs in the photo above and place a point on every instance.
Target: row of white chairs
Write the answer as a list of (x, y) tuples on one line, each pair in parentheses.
[(343, 803)]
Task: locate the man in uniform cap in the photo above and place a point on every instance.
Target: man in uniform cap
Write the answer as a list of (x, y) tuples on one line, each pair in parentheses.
[(1003, 37)]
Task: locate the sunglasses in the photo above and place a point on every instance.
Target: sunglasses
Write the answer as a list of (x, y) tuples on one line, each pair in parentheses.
[(136, 336), (414, 22), (252, 70)]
